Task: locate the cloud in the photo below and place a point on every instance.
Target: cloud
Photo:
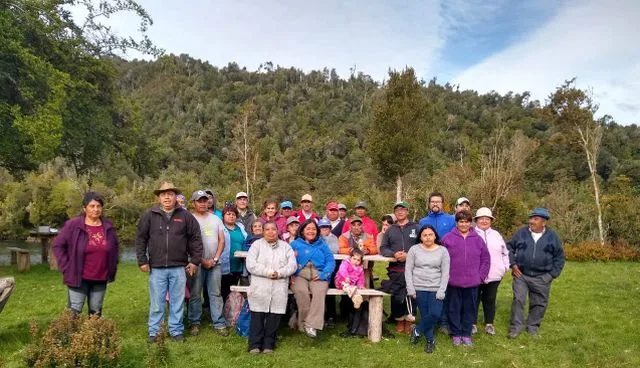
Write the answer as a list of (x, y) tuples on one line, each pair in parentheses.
[(592, 40)]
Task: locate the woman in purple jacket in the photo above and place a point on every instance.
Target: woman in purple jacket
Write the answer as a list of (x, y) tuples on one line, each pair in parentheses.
[(469, 266), (87, 253)]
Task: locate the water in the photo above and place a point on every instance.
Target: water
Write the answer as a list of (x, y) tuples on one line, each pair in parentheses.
[(127, 254)]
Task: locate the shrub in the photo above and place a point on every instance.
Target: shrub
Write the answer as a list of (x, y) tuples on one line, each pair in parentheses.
[(74, 341), (593, 251)]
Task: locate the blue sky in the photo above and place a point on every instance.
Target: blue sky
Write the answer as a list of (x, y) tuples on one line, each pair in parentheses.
[(482, 45)]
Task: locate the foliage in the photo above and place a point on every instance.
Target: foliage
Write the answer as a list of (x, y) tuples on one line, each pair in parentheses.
[(593, 251), (74, 341)]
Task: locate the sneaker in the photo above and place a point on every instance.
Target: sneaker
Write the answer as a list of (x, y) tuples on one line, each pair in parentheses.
[(178, 338), (267, 351), (331, 323), (466, 341), (430, 347), (151, 339), (414, 336), (357, 301), (512, 334), (490, 330), (457, 340), (194, 330), (222, 331), (400, 326), (310, 332), (474, 329), (254, 351), (444, 330), (533, 332)]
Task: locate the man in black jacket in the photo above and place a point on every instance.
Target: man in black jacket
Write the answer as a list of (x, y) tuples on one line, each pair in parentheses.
[(396, 243), (536, 258), (167, 236)]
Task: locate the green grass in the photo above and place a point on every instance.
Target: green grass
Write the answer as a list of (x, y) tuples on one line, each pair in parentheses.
[(593, 320)]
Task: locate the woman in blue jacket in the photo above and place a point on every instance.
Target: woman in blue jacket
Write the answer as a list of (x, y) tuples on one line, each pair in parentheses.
[(315, 266)]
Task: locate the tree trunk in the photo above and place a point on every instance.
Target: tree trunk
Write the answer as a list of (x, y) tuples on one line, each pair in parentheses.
[(246, 152), (596, 191), (398, 188)]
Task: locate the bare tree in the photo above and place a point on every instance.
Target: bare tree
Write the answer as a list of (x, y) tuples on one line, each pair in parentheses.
[(245, 144)]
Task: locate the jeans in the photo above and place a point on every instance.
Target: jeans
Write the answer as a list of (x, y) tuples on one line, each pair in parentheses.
[(487, 294), (212, 278), (462, 309), (93, 291), (430, 311), (538, 289), (444, 317), (161, 280)]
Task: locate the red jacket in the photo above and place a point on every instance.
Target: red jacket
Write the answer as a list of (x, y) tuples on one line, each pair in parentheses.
[(368, 226), (301, 217)]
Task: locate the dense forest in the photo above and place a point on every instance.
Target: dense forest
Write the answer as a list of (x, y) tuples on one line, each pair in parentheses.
[(75, 117)]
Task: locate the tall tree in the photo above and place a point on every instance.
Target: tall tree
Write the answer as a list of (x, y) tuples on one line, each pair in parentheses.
[(245, 144), (396, 136)]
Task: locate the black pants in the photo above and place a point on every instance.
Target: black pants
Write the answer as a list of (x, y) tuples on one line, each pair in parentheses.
[(487, 295), (462, 309), (227, 281), (262, 333), (330, 300)]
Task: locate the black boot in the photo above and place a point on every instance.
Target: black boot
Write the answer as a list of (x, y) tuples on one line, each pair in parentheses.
[(430, 347)]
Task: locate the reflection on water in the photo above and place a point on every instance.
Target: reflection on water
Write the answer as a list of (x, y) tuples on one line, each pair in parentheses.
[(126, 254)]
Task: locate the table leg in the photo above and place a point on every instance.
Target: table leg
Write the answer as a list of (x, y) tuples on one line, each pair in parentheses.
[(375, 318), (44, 242)]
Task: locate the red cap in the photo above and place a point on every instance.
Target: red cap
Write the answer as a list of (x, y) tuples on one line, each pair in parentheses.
[(332, 206)]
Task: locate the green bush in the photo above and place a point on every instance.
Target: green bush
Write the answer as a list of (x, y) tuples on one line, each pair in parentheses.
[(594, 251)]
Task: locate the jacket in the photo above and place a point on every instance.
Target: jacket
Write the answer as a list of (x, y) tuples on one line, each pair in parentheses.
[(498, 253), (469, 259), (347, 243), (248, 219), (69, 247), (268, 295), (337, 231), (301, 217), (281, 223), (318, 253), (163, 242), (368, 226), (442, 221), (225, 257), (399, 238), (536, 258), (351, 272)]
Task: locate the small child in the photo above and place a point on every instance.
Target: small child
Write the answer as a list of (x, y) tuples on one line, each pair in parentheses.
[(350, 276)]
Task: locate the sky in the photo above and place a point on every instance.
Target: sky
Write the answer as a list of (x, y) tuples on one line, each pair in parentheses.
[(485, 45)]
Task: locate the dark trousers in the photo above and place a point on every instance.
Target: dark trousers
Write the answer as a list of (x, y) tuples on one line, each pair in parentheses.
[(487, 295), (430, 311), (462, 309), (444, 317), (538, 289), (262, 333), (330, 300), (227, 281)]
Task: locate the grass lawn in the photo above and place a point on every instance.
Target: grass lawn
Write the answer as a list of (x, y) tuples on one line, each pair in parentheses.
[(593, 320)]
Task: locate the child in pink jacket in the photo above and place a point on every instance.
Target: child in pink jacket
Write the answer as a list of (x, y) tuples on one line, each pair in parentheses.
[(350, 276)]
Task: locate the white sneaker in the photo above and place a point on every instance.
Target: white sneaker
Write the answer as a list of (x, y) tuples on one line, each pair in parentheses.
[(357, 301), (311, 332)]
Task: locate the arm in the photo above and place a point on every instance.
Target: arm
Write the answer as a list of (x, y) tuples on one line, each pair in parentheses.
[(142, 239), (253, 266), (194, 244), (408, 272), (385, 247), (485, 260), (329, 263), (511, 247), (445, 262), (342, 274), (558, 258), (60, 247), (505, 253), (360, 281), (292, 264), (343, 245), (220, 243), (370, 246)]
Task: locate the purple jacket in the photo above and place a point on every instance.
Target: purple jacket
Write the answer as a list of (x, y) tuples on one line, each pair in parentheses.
[(470, 260), (69, 247)]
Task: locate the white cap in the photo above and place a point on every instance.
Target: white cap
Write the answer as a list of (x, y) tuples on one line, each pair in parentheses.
[(484, 212), (461, 200), (307, 197), (241, 194)]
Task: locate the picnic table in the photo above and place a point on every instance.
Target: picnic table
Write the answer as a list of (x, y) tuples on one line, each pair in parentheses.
[(45, 234)]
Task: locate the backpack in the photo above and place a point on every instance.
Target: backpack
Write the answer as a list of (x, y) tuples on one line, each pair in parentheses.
[(243, 323), (233, 307), (358, 323)]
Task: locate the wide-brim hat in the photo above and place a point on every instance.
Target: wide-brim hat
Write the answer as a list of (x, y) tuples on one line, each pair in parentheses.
[(166, 187), (484, 212)]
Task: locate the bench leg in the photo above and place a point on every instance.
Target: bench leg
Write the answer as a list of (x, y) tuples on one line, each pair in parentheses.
[(375, 318), (14, 257), (24, 262)]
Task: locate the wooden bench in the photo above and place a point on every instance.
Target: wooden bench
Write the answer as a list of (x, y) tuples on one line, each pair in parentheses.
[(375, 308), (21, 257)]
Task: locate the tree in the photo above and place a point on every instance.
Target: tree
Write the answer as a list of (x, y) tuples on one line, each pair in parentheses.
[(245, 144), (572, 110), (396, 136)]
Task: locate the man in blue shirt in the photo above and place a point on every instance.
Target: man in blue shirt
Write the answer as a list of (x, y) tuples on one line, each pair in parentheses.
[(442, 221)]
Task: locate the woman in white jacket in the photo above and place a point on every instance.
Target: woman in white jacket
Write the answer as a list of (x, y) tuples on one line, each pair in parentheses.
[(488, 290), (270, 262)]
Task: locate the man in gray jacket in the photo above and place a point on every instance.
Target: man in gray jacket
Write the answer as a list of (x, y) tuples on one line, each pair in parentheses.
[(536, 258)]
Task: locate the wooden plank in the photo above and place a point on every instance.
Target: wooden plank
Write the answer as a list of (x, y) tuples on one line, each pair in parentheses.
[(375, 318), (374, 258), (363, 292), (24, 261), (18, 250)]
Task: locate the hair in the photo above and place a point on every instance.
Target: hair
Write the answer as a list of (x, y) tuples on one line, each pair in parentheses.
[(357, 252), (230, 208), (264, 225), (464, 215), (304, 225), (92, 196), (428, 227), (265, 204), (436, 194), (388, 219)]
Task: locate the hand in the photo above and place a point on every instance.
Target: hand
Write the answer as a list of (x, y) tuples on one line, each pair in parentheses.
[(316, 278), (207, 263), (144, 268), (292, 280), (440, 295), (400, 256), (365, 251), (191, 269), (413, 296), (515, 271), (347, 280)]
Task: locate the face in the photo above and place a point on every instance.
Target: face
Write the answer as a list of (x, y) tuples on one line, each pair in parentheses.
[(464, 206), (181, 201), (361, 212), (210, 200), (167, 200), (332, 214), (93, 209), (385, 226), (286, 212), (270, 232), (436, 204), (463, 226), (270, 210), (242, 203), (229, 218), (537, 224), (483, 222), (428, 237), (343, 213), (356, 260), (401, 213), (356, 228), (309, 233), (201, 205), (257, 228), (293, 227), (306, 206), (325, 231)]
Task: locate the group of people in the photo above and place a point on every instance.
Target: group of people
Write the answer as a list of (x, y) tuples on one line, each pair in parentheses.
[(446, 264)]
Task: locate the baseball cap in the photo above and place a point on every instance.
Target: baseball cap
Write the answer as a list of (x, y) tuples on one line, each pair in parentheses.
[(341, 206), (324, 222), (292, 219), (356, 219), (306, 197), (286, 204), (461, 200), (199, 194), (332, 206), (540, 212), (362, 204), (401, 204), (241, 194)]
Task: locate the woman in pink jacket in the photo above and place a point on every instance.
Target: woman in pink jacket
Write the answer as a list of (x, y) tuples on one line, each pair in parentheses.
[(499, 254)]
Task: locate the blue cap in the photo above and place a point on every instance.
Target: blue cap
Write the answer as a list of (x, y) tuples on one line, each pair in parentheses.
[(286, 204), (324, 222), (540, 212)]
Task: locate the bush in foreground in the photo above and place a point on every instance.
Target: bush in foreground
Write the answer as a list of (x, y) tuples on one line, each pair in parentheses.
[(593, 251)]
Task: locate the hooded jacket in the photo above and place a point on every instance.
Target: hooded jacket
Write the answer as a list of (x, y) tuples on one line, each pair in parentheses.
[(318, 253), (399, 238), (536, 258), (469, 259)]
